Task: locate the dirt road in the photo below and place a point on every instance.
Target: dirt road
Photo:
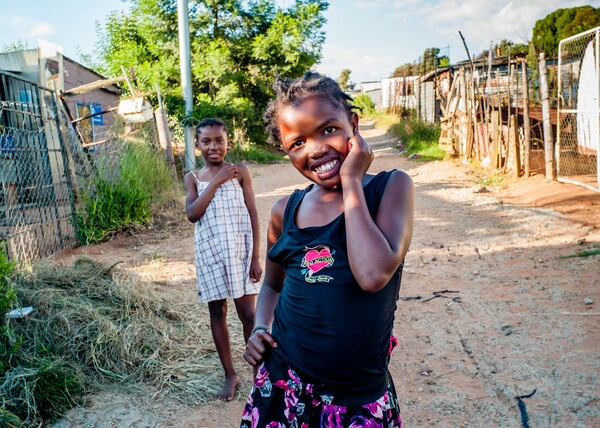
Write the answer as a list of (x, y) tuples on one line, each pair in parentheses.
[(490, 307)]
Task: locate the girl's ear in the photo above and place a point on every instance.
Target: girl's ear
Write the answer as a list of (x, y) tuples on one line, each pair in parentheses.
[(354, 123)]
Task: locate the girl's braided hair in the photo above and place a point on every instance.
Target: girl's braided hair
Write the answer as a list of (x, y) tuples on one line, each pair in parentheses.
[(295, 91)]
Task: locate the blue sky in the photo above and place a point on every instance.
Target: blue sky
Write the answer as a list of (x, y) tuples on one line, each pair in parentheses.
[(370, 37)]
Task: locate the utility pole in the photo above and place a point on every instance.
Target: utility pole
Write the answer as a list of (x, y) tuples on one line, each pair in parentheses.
[(186, 81)]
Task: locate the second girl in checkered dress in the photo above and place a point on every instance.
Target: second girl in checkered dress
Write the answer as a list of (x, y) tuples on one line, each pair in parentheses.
[(220, 201)]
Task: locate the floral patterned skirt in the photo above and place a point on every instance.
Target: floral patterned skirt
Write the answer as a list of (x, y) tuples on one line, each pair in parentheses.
[(282, 400)]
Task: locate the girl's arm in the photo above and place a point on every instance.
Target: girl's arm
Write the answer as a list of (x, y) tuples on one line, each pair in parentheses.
[(376, 247), (250, 200), (269, 292), (196, 204)]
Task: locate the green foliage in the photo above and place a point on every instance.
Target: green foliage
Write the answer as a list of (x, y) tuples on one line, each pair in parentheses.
[(365, 104), (40, 389), (253, 153), (344, 80), (9, 343), (237, 48), (585, 253), (430, 60), (120, 197), (19, 45), (31, 388), (560, 24), (7, 267), (9, 419), (418, 138), (486, 176)]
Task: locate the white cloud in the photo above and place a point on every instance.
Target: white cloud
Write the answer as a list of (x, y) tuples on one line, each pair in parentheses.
[(482, 21), (30, 27), (40, 29)]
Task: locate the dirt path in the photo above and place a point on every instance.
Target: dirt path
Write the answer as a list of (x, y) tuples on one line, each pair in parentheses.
[(514, 319)]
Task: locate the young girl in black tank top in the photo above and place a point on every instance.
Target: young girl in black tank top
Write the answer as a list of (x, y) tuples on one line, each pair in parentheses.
[(325, 313)]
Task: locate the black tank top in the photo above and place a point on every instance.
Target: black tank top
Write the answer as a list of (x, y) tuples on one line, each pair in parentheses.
[(327, 328)]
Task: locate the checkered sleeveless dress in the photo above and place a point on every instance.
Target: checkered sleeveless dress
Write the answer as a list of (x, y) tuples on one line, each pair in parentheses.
[(223, 245)]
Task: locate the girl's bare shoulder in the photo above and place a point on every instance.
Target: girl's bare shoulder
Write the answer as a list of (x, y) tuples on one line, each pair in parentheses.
[(203, 174)]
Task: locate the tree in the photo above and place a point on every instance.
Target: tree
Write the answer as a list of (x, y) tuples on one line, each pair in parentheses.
[(237, 48), (560, 24), (344, 80), (19, 45)]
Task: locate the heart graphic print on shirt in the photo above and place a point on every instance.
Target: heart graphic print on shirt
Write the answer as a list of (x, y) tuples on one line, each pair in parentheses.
[(315, 260)]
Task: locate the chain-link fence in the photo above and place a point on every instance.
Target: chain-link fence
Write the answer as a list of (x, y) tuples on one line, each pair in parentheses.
[(47, 170), (36, 204), (578, 132)]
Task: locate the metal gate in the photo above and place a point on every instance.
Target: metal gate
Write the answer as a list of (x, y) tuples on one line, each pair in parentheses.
[(36, 202), (578, 131)]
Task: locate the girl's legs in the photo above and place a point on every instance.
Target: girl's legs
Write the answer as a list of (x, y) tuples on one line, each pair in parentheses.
[(246, 310), (220, 333)]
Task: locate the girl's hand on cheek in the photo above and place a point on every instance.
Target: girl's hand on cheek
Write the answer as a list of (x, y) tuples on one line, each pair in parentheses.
[(359, 158)]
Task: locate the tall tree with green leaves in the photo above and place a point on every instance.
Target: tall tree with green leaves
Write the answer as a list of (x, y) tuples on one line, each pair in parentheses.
[(560, 24), (237, 49), (344, 80)]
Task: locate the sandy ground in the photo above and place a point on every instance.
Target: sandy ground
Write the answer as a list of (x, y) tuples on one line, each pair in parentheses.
[(513, 319)]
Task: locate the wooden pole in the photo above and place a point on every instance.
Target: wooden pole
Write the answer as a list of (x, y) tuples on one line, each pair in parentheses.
[(548, 145), (515, 144), (508, 142), (163, 137), (526, 121), (495, 122)]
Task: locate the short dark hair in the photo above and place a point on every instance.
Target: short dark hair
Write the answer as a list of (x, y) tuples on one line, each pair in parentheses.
[(294, 91), (210, 121)]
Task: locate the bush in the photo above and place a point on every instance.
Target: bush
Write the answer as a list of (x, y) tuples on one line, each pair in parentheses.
[(120, 196), (9, 343), (419, 138), (365, 104), (253, 153)]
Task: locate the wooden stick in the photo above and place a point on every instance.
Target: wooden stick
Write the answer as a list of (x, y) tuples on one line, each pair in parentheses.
[(88, 87), (526, 122)]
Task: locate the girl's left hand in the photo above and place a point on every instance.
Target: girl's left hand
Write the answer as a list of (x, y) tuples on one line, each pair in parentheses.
[(359, 159), (255, 270)]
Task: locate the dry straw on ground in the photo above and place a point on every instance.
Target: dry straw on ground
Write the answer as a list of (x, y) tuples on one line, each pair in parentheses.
[(114, 327)]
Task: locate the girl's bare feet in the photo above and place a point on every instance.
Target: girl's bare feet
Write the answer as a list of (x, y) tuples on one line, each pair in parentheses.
[(228, 390)]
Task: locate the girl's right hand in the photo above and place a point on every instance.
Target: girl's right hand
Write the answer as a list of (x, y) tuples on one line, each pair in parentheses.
[(257, 346), (359, 158), (226, 173)]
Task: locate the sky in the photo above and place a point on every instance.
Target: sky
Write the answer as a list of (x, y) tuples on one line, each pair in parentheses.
[(369, 37)]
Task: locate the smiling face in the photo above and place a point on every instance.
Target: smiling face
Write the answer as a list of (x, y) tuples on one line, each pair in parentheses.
[(212, 142), (315, 136)]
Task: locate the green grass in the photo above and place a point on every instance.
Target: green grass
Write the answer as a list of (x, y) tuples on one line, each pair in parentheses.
[(254, 153), (585, 253), (420, 140), (120, 196), (485, 176)]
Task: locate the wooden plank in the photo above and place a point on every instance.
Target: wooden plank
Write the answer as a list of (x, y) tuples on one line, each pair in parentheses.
[(88, 87)]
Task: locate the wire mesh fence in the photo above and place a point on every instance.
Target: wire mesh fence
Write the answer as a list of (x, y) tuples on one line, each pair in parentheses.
[(578, 131), (36, 217)]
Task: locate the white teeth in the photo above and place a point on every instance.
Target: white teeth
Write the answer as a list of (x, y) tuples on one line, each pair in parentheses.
[(326, 167)]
